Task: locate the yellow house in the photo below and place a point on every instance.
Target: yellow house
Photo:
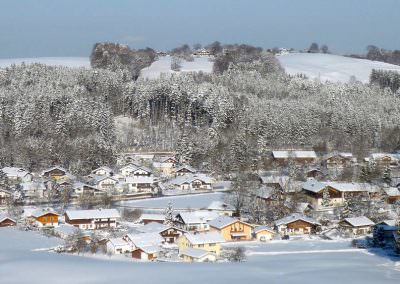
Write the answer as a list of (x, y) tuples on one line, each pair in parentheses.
[(210, 241), (231, 229), (263, 233)]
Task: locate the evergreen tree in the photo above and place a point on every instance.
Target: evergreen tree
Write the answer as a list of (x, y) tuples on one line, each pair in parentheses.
[(387, 175), (326, 198), (169, 215)]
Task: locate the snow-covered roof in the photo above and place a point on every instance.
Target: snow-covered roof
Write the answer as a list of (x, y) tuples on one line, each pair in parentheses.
[(104, 168), (155, 217), (198, 217), (388, 222), (145, 239), (150, 248), (223, 221), (224, 184), (316, 186), (189, 178), (378, 156), (15, 172), (54, 168), (140, 180), (186, 167), (153, 227), (4, 217), (264, 192), (118, 242), (92, 214), (392, 191), (97, 179), (66, 229), (32, 185), (43, 211), (204, 238), (220, 205), (345, 155), (301, 154), (275, 179), (262, 228), (359, 221), (194, 252), (295, 217)]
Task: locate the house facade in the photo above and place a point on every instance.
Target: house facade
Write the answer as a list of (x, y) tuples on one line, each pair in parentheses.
[(92, 219), (357, 226), (209, 241), (296, 224), (45, 218), (231, 229)]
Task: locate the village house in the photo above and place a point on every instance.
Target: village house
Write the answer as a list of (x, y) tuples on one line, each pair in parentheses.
[(299, 156), (221, 207), (392, 194), (32, 190), (103, 171), (336, 192), (357, 226), (139, 184), (383, 160), (56, 172), (263, 233), (267, 195), (118, 246), (191, 182), (165, 165), (92, 219), (338, 160), (170, 234), (16, 175), (275, 180), (314, 173), (185, 170), (146, 253), (209, 241), (231, 229), (7, 221), (147, 218), (80, 188), (145, 246), (45, 217), (64, 231), (296, 224), (105, 183), (197, 255), (135, 170), (195, 221)]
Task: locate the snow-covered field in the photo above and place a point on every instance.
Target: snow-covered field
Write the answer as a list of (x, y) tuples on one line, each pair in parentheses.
[(163, 66), (314, 262), (194, 201), (54, 61), (328, 67)]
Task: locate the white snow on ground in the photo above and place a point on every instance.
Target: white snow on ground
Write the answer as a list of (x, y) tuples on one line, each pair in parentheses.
[(193, 201), (53, 61), (163, 66), (328, 67), (20, 264)]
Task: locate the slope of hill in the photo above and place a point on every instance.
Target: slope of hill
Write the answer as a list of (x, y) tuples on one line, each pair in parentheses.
[(54, 61), (328, 67), (163, 66)]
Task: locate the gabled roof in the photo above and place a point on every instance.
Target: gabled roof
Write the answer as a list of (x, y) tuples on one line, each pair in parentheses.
[(195, 253), (149, 248), (54, 168), (264, 192), (275, 179), (153, 227), (387, 222), (187, 167), (118, 242), (313, 185), (92, 214), (198, 217), (189, 178), (262, 228), (295, 217), (224, 221), (145, 239), (156, 217), (344, 155), (204, 238), (5, 217), (98, 179), (105, 168), (15, 172), (392, 191), (316, 186), (359, 221), (43, 211)]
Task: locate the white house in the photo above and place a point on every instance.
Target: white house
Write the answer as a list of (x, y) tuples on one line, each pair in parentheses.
[(140, 183), (106, 183), (92, 219), (15, 174), (191, 182), (195, 221), (357, 225), (103, 171), (118, 246)]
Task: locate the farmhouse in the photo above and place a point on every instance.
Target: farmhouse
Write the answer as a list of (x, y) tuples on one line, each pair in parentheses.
[(103, 171), (357, 225), (195, 221), (140, 183), (92, 219), (6, 221), (210, 241), (338, 160), (45, 217), (296, 224), (231, 229), (56, 172), (185, 170), (263, 233)]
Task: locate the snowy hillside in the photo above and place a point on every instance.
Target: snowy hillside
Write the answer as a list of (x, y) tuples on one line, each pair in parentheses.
[(331, 67), (163, 66), (54, 61)]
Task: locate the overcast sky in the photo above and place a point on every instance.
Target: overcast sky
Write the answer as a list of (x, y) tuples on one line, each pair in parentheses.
[(32, 28)]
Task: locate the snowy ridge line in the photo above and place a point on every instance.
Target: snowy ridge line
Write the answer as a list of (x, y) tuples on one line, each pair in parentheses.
[(303, 251)]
